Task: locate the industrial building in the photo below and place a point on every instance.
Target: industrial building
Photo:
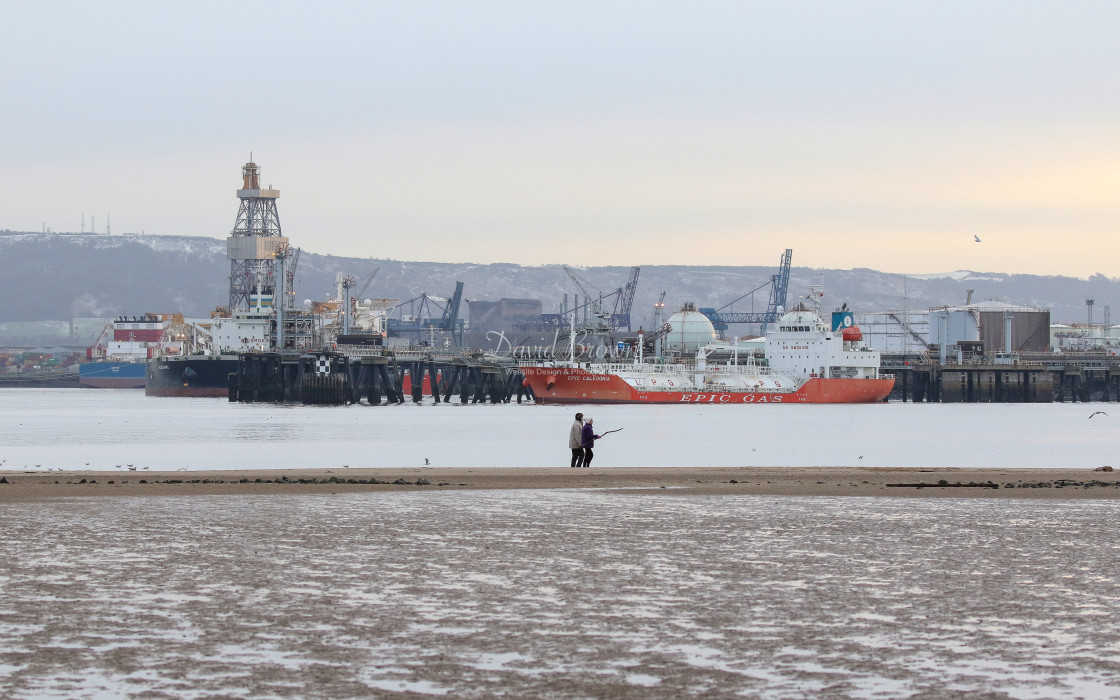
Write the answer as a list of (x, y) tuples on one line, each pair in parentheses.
[(982, 326), (501, 315), (1081, 337)]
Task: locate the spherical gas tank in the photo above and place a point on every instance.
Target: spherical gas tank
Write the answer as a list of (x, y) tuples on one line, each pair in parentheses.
[(690, 330)]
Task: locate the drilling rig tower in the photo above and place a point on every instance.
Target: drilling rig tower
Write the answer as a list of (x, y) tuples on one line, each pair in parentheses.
[(251, 246)]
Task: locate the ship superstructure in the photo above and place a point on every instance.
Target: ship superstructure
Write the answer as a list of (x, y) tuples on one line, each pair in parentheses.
[(116, 360)]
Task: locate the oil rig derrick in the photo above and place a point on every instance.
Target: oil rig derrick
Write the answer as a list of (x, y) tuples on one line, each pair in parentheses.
[(251, 246)]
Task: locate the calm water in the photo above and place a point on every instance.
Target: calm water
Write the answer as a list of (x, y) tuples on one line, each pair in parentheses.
[(558, 594), (101, 429)]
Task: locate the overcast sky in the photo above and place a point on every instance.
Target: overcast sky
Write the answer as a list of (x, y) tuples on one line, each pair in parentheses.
[(860, 134)]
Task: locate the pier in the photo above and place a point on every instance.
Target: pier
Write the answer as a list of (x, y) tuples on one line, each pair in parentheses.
[(1030, 378), (376, 375)]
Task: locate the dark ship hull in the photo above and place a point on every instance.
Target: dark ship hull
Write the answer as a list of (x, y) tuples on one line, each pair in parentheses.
[(190, 376)]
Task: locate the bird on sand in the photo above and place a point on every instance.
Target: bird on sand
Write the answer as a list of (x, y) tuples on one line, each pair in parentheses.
[(976, 238), (426, 462), (1096, 412)]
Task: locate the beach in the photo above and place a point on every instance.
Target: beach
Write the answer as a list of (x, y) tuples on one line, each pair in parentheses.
[(1059, 483), (502, 584)]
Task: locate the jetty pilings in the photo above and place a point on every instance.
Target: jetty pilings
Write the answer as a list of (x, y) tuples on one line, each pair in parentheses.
[(383, 378), (1042, 379)]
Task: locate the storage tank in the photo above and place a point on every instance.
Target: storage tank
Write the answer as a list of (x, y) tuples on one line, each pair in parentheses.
[(690, 330), (985, 322), (959, 324)]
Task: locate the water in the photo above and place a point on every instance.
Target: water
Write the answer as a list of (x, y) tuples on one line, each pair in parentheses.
[(42, 429), (558, 594)]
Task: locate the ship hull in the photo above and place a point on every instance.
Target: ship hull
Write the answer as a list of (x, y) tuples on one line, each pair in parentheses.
[(190, 376), (574, 385), (112, 375)]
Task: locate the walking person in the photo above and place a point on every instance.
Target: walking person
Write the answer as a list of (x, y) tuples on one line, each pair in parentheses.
[(588, 440), (575, 441)]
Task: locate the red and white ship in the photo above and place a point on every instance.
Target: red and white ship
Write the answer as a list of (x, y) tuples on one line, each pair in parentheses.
[(805, 362)]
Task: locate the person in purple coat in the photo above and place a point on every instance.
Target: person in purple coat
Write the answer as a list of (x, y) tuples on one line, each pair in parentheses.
[(589, 438)]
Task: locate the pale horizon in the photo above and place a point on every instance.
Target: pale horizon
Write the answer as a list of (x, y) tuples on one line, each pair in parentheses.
[(861, 135)]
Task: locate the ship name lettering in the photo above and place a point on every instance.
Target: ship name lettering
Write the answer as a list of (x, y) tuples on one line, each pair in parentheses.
[(705, 398), (754, 398)]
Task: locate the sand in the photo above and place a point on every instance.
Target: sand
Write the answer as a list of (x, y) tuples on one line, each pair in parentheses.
[(773, 481)]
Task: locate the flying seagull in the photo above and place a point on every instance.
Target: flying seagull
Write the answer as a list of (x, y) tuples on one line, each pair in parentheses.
[(976, 238), (1096, 412)]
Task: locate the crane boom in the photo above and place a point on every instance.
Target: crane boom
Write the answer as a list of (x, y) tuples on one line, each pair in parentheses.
[(779, 285), (594, 299), (366, 284)]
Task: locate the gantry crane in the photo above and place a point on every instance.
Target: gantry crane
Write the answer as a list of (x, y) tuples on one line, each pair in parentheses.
[(602, 319), (424, 319), (779, 284)]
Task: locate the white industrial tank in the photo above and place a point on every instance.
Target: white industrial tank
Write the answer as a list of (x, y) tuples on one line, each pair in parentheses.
[(690, 330)]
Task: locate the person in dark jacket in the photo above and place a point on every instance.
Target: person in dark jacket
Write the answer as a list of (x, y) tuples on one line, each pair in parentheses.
[(575, 441), (589, 438)]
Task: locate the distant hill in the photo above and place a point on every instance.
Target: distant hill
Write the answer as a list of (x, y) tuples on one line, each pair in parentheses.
[(62, 276)]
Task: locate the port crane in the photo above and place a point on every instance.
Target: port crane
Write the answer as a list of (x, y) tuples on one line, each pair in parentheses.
[(595, 301), (779, 285), (424, 319), (620, 316)]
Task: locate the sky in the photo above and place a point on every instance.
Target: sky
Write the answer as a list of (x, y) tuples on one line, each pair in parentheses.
[(884, 135)]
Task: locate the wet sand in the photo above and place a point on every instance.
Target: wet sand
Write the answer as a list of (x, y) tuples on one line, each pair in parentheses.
[(776, 481)]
